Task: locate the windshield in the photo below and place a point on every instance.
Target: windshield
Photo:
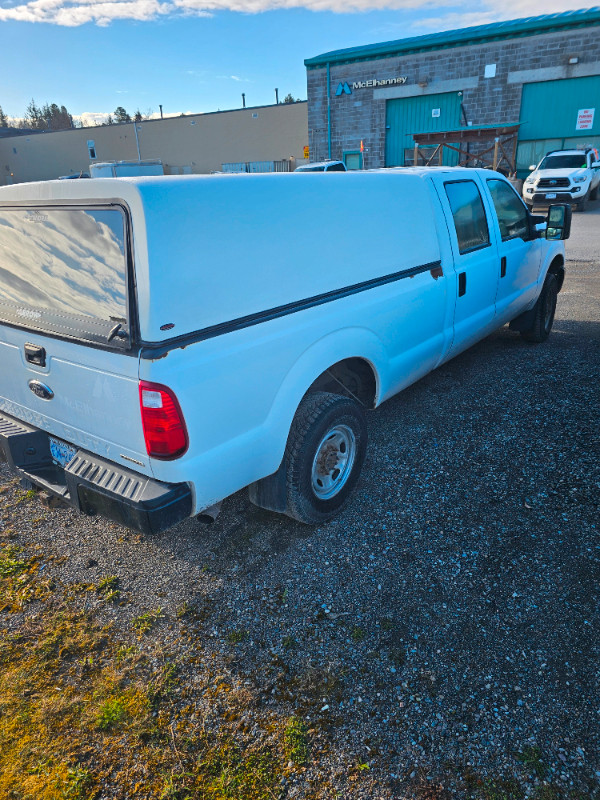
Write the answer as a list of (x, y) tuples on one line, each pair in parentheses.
[(64, 270), (572, 161)]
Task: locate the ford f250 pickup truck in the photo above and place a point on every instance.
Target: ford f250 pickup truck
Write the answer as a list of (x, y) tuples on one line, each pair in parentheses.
[(163, 342)]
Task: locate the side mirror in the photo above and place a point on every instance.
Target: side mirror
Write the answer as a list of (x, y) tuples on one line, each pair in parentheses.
[(531, 167), (559, 222)]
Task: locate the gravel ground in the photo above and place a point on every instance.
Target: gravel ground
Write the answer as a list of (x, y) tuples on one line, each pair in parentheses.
[(447, 624)]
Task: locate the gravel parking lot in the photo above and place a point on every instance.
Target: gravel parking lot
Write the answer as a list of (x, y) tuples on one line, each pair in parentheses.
[(442, 636)]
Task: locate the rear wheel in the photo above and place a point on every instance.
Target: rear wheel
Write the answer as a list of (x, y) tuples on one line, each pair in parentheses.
[(324, 456), (545, 308)]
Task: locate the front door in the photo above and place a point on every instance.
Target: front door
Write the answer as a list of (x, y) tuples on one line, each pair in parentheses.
[(520, 255)]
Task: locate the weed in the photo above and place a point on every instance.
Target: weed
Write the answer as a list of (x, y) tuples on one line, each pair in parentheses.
[(288, 642), (174, 788), (237, 636), (80, 784), (547, 792), (111, 714), (10, 566), (296, 742), (109, 588), (357, 634), (227, 773), (531, 757), (145, 622), (363, 767)]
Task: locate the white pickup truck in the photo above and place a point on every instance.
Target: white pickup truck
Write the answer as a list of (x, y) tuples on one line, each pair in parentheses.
[(564, 176), (164, 342)]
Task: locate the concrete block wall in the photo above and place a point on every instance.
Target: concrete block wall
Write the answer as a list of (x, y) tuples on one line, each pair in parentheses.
[(487, 101)]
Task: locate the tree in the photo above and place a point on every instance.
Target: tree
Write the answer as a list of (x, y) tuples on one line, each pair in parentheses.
[(289, 99), (50, 116), (110, 120), (3, 119), (121, 115), (33, 117), (137, 117), (56, 118)]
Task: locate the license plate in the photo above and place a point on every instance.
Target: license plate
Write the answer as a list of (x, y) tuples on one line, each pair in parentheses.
[(551, 196), (61, 453)]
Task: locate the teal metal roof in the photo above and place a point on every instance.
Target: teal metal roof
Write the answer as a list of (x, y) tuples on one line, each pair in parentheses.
[(516, 28)]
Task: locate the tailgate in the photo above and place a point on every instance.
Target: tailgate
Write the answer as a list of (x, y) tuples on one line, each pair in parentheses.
[(66, 363)]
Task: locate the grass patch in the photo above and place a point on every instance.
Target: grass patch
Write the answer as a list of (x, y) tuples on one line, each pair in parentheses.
[(145, 622), (296, 742)]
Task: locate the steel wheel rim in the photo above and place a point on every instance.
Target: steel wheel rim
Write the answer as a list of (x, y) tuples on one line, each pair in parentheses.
[(333, 462)]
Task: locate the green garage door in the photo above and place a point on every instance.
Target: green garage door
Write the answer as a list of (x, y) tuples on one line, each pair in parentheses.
[(549, 118), (433, 112)]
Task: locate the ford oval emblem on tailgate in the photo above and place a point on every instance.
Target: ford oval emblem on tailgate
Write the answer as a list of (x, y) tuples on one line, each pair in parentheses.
[(41, 390)]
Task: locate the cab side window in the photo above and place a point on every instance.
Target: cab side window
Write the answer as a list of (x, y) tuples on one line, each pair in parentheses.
[(513, 218), (469, 215)]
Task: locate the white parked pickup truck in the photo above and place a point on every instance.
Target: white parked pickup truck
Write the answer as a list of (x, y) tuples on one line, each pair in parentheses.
[(164, 343), (564, 176)]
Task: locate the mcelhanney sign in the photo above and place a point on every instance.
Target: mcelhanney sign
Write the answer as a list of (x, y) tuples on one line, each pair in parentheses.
[(344, 86)]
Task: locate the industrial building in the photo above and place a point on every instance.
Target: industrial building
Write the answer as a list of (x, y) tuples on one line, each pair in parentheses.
[(524, 87), (264, 138)]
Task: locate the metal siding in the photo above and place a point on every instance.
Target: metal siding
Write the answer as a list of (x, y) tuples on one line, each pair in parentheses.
[(549, 109), (411, 115)]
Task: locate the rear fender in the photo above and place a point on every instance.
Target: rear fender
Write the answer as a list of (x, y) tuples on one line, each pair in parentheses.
[(348, 343)]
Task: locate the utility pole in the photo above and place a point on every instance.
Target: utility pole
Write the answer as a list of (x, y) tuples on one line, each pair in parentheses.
[(161, 116), (243, 100), (277, 97)]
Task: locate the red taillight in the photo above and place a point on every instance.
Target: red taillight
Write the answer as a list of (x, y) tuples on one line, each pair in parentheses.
[(164, 427)]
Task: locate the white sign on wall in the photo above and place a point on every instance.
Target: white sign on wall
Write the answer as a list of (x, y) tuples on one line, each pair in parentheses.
[(435, 112), (585, 119)]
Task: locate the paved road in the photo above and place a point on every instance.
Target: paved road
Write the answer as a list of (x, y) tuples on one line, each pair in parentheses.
[(584, 244)]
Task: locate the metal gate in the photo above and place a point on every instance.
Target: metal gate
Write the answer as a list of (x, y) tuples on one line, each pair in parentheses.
[(550, 111), (432, 112)]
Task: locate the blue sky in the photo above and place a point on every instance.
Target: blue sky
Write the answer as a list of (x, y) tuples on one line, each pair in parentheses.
[(200, 55)]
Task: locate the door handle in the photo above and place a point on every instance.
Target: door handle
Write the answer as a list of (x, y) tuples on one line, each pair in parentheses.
[(462, 283), (503, 267), (35, 355)]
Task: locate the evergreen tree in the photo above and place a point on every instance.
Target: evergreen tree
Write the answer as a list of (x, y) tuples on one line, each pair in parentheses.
[(3, 119), (121, 115), (137, 117)]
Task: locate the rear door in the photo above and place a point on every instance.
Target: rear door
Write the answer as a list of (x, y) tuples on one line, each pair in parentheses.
[(66, 361), (475, 259)]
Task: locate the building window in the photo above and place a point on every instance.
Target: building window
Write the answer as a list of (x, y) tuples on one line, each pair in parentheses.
[(353, 160), (91, 145)]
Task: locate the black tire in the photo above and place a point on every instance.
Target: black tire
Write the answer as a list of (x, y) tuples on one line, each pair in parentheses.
[(545, 308), (331, 429), (582, 204), (594, 193)]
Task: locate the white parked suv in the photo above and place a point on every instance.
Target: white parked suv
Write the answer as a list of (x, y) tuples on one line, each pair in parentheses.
[(165, 342), (564, 176)]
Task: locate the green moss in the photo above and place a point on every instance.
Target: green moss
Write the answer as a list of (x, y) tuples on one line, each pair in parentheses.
[(296, 743)]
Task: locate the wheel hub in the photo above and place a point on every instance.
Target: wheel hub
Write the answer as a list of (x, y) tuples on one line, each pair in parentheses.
[(333, 462)]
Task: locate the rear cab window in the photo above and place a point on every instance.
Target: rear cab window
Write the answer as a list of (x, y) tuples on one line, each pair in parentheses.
[(63, 271), (469, 215), (513, 217)]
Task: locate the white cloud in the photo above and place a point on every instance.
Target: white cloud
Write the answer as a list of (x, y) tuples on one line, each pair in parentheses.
[(72, 13)]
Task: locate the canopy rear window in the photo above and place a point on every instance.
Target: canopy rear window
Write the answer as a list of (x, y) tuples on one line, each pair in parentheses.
[(63, 271)]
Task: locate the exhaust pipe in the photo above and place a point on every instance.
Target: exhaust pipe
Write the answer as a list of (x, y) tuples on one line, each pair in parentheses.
[(209, 515)]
